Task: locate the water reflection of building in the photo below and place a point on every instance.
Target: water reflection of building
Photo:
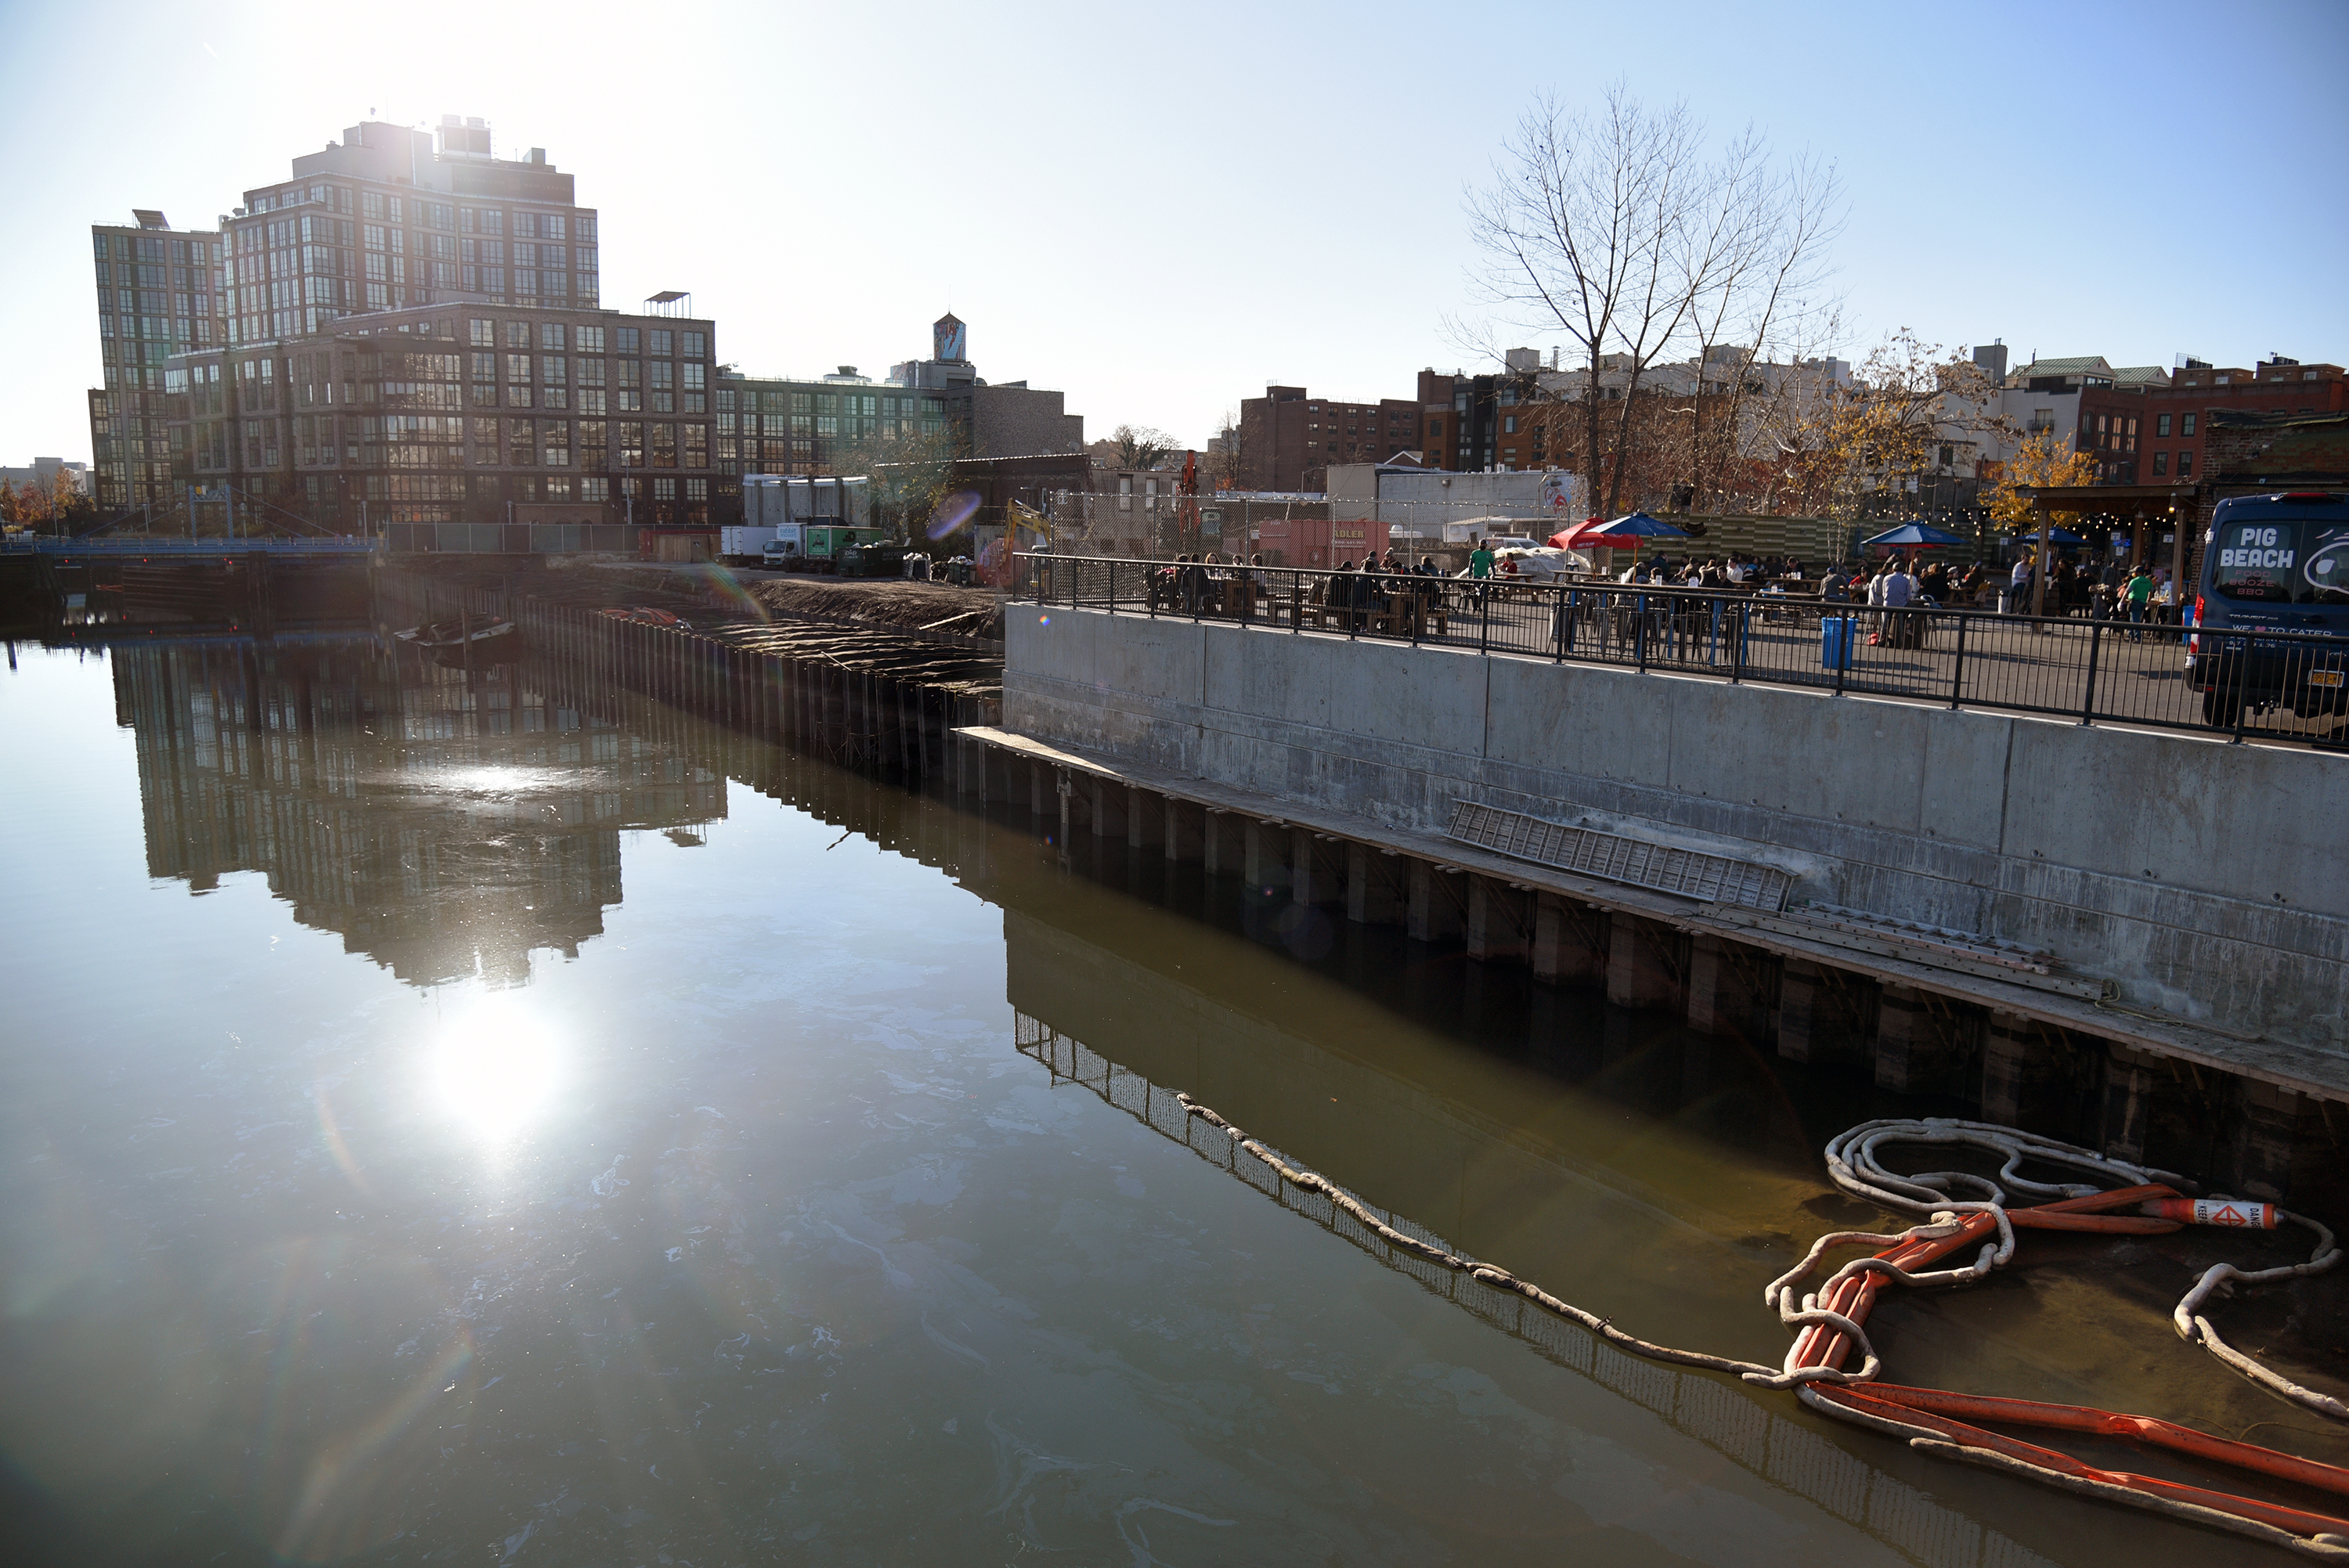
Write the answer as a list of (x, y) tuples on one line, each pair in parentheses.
[(444, 821)]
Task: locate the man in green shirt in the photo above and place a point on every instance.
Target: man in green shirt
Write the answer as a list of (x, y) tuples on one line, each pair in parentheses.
[(1480, 567), (2138, 592)]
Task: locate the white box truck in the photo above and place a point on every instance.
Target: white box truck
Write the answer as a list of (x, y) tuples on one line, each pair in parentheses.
[(779, 512), (763, 516)]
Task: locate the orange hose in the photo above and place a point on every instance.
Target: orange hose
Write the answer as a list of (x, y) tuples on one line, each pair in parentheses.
[(2143, 1428), (1935, 1410), (2296, 1521), (1820, 1345), (2114, 1225)]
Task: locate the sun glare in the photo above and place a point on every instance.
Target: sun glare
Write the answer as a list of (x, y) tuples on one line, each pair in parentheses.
[(493, 1066)]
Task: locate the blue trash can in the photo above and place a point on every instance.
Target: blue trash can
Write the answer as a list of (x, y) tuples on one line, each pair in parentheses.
[(1836, 634)]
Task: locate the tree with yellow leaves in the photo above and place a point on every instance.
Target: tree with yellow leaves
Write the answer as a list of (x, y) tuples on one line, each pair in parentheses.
[(2043, 463)]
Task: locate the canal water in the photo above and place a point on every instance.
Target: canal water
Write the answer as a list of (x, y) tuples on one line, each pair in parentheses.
[(460, 1116)]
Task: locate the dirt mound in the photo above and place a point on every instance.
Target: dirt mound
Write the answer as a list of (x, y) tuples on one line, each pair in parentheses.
[(889, 603)]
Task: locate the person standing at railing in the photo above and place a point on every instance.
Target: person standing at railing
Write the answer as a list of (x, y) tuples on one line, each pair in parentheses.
[(2138, 592)]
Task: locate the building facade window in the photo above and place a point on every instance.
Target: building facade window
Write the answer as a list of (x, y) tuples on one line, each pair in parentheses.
[(2185, 426), (2160, 464), (2161, 425), (2185, 464)]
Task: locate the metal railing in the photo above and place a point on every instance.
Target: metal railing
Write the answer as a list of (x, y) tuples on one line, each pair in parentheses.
[(50, 544), (2091, 669)]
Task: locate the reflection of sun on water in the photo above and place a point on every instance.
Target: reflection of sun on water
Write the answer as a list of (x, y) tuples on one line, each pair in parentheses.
[(493, 1066), (483, 778)]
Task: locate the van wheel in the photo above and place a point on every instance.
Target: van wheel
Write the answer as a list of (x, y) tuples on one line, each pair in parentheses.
[(2221, 711)]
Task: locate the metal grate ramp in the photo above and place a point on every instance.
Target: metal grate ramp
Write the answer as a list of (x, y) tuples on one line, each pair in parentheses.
[(1690, 873)]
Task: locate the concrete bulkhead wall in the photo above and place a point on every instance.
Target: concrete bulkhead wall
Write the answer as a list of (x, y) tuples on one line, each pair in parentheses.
[(2204, 879)]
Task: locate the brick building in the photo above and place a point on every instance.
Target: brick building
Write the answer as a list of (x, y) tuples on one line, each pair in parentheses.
[(2177, 416), (2251, 453), (1289, 438)]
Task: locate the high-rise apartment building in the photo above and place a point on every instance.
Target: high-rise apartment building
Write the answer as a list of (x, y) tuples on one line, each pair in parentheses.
[(412, 347), (385, 219), (460, 426), (160, 292)]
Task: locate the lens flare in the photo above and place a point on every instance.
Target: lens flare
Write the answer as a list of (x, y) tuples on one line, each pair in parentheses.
[(726, 590), (953, 513)]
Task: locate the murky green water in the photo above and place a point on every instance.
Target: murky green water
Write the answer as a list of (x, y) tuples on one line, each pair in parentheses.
[(467, 1119)]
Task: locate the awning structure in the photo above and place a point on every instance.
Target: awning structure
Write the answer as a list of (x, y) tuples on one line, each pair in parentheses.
[(2108, 500)]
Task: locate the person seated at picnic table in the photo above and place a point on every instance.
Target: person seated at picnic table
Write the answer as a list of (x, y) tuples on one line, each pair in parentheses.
[(1894, 589), (1194, 585), (1368, 595)]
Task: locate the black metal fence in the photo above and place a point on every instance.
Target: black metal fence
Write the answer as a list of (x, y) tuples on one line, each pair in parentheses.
[(2138, 672)]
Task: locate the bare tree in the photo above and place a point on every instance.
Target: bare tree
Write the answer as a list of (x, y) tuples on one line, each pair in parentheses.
[(1769, 299), (1140, 447), (1229, 459), (1616, 229)]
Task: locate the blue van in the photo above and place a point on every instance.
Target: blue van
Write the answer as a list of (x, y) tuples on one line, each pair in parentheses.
[(2272, 563)]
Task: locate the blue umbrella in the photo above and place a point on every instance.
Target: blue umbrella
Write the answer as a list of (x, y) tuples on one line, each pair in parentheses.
[(1634, 525), (1913, 536)]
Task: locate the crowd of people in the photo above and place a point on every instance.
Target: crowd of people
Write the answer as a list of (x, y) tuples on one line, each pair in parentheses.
[(1217, 583), (1214, 583), (1718, 571), (2143, 595)]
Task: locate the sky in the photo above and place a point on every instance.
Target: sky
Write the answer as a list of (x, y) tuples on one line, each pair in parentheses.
[(1160, 210)]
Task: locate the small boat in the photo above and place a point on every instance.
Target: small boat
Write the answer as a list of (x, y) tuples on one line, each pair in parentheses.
[(459, 640), (455, 634)]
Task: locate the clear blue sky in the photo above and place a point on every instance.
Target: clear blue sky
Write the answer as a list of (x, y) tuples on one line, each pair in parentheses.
[(1159, 210)]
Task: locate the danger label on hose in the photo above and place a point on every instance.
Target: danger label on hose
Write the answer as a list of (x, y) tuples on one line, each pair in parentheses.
[(2233, 1212)]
